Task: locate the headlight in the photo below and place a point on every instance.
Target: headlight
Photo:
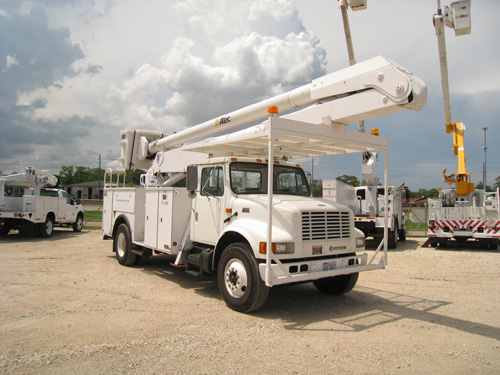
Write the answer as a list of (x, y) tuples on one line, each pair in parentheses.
[(278, 248), (360, 242)]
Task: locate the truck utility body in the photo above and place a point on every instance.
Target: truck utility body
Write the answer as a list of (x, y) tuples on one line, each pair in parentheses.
[(243, 198), (369, 206), (475, 217), (39, 209), (370, 203)]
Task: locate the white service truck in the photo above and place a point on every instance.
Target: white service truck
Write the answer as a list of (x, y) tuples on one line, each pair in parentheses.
[(40, 208), (473, 217), (369, 203), (246, 213), (462, 212)]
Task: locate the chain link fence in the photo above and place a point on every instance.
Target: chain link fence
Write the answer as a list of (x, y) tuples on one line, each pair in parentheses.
[(418, 218)]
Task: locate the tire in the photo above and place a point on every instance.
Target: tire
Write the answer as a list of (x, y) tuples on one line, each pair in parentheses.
[(493, 246), (402, 235), (78, 224), (239, 280), (337, 285), (122, 246), (47, 228), (393, 239), (4, 231)]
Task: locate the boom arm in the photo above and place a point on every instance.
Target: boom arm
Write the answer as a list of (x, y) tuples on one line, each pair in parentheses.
[(372, 88), (457, 17), (34, 177)]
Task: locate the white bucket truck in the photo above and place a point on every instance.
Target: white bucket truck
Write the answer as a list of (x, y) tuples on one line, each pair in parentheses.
[(462, 212), (247, 214), (370, 205), (40, 208)]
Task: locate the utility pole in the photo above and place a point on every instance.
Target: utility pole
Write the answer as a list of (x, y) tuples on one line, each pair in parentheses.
[(484, 165), (99, 178), (355, 6)]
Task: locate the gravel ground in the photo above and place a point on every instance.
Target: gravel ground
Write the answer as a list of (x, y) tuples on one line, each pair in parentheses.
[(67, 306)]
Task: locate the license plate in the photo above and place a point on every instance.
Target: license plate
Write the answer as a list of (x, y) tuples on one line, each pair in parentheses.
[(329, 265)]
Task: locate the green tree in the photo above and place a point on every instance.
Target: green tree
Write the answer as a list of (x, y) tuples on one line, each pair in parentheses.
[(95, 174), (497, 183), (317, 188), (348, 179), (434, 193), (479, 186), (67, 175), (133, 177)]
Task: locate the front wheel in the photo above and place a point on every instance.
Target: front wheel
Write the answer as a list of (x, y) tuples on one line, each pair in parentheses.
[(122, 246), (239, 280), (47, 228), (337, 285), (78, 224)]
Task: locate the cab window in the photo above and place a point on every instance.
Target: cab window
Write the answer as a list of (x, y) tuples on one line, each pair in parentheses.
[(68, 198), (212, 181)]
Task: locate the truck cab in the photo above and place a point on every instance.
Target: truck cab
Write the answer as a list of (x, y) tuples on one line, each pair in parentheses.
[(230, 199)]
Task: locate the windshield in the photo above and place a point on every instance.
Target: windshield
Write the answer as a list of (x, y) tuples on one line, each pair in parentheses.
[(251, 178)]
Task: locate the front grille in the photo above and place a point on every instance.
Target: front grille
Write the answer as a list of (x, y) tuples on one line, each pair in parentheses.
[(323, 225)]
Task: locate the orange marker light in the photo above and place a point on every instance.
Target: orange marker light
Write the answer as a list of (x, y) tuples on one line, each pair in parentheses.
[(272, 110)]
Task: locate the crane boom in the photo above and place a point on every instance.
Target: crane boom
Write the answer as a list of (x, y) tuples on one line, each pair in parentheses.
[(368, 89), (458, 17)]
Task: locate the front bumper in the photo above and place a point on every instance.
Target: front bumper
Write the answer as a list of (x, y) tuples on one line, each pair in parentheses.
[(308, 270)]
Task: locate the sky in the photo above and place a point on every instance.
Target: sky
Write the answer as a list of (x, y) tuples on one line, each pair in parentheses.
[(74, 73)]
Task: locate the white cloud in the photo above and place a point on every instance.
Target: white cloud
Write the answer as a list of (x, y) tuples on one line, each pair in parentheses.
[(11, 61), (203, 77)]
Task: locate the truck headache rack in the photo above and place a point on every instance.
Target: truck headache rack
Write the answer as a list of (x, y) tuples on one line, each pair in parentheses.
[(114, 178)]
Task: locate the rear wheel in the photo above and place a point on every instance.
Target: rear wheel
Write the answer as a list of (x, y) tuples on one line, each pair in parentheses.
[(239, 279), (122, 246), (47, 228), (337, 285)]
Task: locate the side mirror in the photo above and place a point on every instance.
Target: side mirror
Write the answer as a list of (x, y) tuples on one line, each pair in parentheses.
[(191, 180)]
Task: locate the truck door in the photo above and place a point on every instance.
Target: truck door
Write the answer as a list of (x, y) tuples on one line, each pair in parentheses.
[(70, 208), (207, 218)]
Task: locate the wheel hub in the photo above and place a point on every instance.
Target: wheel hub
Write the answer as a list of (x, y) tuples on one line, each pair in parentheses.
[(233, 278), (120, 246), (236, 278)]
